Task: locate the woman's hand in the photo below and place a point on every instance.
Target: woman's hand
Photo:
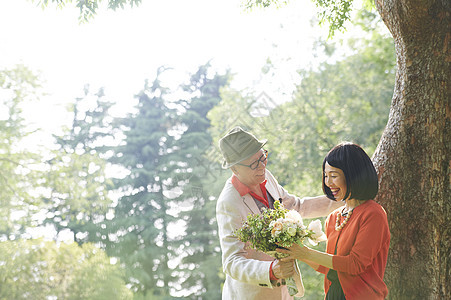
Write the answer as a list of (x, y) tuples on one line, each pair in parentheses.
[(307, 255), (295, 252)]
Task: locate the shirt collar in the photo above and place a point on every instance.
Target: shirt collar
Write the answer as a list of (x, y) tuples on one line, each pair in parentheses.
[(242, 188)]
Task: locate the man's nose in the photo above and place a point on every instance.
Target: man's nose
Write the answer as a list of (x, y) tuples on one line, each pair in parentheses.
[(262, 164)]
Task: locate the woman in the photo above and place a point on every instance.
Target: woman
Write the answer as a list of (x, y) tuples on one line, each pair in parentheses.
[(358, 237)]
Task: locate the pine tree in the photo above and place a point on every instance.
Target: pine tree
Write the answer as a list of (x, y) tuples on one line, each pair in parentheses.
[(138, 232), (18, 174), (78, 186), (201, 267)]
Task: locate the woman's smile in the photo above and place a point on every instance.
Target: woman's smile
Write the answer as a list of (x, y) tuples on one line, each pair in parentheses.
[(334, 191)]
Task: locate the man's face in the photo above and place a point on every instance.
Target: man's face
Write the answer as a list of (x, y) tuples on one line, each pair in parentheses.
[(252, 177)]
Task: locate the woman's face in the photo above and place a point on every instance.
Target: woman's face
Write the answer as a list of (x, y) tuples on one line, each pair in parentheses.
[(335, 180)]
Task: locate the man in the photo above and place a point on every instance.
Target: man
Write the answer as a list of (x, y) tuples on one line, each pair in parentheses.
[(251, 274)]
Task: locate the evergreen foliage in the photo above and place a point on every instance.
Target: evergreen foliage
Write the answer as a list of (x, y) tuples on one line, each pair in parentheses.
[(76, 198), (138, 232), (18, 175), (336, 13), (88, 9), (35, 269), (346, 100), (200, 268)]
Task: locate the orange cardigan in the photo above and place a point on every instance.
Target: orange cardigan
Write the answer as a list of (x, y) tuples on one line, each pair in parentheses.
[(362, 252)]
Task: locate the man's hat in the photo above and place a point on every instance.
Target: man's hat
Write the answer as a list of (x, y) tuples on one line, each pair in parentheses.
[(238, 145)]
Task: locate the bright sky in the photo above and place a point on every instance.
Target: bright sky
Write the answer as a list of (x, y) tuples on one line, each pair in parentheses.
[(119, 49)]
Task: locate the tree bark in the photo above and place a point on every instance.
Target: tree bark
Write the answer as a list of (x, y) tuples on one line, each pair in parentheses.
[(413, 155)]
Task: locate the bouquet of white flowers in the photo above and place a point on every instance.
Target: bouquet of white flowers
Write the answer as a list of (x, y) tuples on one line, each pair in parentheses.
[(276, 228)]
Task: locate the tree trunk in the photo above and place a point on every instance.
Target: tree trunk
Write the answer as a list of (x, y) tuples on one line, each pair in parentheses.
[(413, 155)]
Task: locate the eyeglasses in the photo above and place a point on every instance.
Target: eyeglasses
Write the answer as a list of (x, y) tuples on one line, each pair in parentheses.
[(256, 163)]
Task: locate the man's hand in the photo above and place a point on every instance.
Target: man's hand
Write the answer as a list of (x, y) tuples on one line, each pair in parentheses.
[(283, 269)]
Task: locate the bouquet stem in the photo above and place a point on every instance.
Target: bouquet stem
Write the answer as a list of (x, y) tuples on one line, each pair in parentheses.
[(291, 285), (294, 283)]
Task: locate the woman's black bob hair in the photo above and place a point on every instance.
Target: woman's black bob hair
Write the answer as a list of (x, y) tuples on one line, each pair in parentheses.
[(359, 171)]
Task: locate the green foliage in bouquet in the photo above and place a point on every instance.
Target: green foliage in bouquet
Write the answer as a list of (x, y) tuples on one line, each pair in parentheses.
[(272, 229), (256, 230)]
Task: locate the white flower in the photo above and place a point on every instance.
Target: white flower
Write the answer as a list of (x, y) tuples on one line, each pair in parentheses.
[(316, 227), (318, 234), (294, 216), (291, 231)]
